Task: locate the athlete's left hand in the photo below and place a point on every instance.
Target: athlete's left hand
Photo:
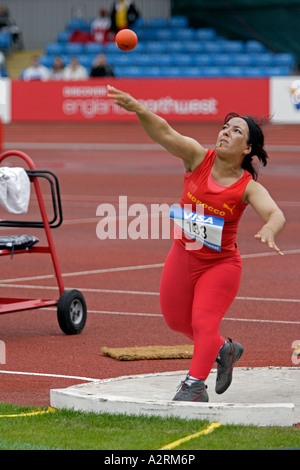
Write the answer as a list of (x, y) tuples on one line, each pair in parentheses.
[(266, 235)]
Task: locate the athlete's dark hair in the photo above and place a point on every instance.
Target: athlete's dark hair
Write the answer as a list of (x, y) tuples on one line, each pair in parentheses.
[(256, 140)]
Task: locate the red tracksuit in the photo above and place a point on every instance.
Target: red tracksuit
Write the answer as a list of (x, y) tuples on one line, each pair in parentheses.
[(198, 286)]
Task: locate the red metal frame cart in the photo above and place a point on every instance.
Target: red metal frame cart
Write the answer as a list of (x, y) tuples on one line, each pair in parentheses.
[(71, 305)]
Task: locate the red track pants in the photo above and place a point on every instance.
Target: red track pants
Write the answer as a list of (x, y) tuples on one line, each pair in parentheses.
[(194, 296)]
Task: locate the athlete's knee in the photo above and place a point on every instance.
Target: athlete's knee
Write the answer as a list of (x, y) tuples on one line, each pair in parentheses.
[(178, 323), (205, 325)]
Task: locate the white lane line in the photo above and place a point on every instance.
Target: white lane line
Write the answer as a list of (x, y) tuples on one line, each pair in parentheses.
[(85, 289), (137, 314), (270, 253), (72, 377), (135, 292), (112, 146), (131, 268), (83, 146), (257, 320), (143, 314), (84, 273), (267, 299), (253, 320)]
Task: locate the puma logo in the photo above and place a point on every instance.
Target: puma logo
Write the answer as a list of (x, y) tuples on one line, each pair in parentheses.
[(229, 208), (193, 187)]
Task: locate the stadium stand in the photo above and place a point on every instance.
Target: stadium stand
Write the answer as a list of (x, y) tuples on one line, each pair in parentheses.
[(6, 41), (170, 48)]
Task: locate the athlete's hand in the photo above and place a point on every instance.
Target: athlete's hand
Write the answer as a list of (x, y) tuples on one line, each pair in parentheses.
[(125, 100), (266, 235)]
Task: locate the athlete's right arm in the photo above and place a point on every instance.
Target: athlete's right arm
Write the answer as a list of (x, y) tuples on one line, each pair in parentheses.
[(159, 130)]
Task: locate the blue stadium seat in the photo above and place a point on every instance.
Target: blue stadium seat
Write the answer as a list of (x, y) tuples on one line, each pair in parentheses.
[(263, 58), (151, 72), (254, 46), (171, 72), (284, 59), (118, 71), (139, 49), (182, 60), (155, 47), (63, 36), (178, 21), (78, 24), (242, 59), (202, 59), (279, 71), (165, 34), (162, 59), (119, 60), (159, 22), (133, 71), (213, 71), (233, 46), (221, 59), (233, 71), (74, 48), (138, 29), (174, 46), (55, 48), (191, 72), (254, 71), (214, 47), (144, 60), (183, 34), (194, 46), (5, 40), (205, 34), (146, 34), (46, 60), (86, 60), (94, 48), (139, 23), (111, 48)]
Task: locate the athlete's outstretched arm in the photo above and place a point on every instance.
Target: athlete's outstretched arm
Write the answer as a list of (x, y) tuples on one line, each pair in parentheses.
[(274, 221), (159, 130)]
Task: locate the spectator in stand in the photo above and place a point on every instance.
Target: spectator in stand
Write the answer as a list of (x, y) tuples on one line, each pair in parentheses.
[(119, 16), (100, 27), (57, 70), (100, 68), (132, 14), (4, 17), (36, 71), (3, 71), (7, 24), (123, 15), (75, 71)]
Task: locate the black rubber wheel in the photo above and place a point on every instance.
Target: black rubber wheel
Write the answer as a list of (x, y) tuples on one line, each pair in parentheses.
[(71, 312)]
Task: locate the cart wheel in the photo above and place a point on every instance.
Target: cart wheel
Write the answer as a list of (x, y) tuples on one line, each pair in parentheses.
[(71, 312)]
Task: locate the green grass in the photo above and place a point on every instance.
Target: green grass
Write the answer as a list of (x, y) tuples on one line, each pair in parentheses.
[(72, 430)]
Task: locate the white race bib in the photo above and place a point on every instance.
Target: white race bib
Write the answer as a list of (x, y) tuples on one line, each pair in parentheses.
[(205, 228)]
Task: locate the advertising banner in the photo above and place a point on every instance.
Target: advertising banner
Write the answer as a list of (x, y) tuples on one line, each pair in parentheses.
[(285, 99), (5, 100), (174, 99)]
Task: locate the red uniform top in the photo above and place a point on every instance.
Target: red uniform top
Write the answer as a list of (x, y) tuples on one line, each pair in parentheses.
[(217, 200)]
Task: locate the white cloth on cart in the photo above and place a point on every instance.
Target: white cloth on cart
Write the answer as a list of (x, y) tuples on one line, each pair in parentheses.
[(14, 190)]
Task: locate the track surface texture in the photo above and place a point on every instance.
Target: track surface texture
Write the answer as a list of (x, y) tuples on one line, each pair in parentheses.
[(95, 164)]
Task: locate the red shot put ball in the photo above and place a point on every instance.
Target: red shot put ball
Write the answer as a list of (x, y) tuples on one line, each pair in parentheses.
[(126, 40)]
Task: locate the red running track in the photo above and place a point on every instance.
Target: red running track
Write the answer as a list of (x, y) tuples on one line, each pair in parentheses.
[(95, 164)]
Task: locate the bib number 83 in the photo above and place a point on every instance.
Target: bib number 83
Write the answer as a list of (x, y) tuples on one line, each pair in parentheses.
[(199, 230)]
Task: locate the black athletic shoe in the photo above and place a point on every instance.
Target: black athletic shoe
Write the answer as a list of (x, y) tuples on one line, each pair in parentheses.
[(195, 392), (229, 354)]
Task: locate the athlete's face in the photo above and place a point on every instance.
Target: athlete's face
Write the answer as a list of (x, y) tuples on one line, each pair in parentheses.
[(234, 137)]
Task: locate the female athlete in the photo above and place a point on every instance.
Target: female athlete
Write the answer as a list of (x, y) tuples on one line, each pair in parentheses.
[(201, 279)]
